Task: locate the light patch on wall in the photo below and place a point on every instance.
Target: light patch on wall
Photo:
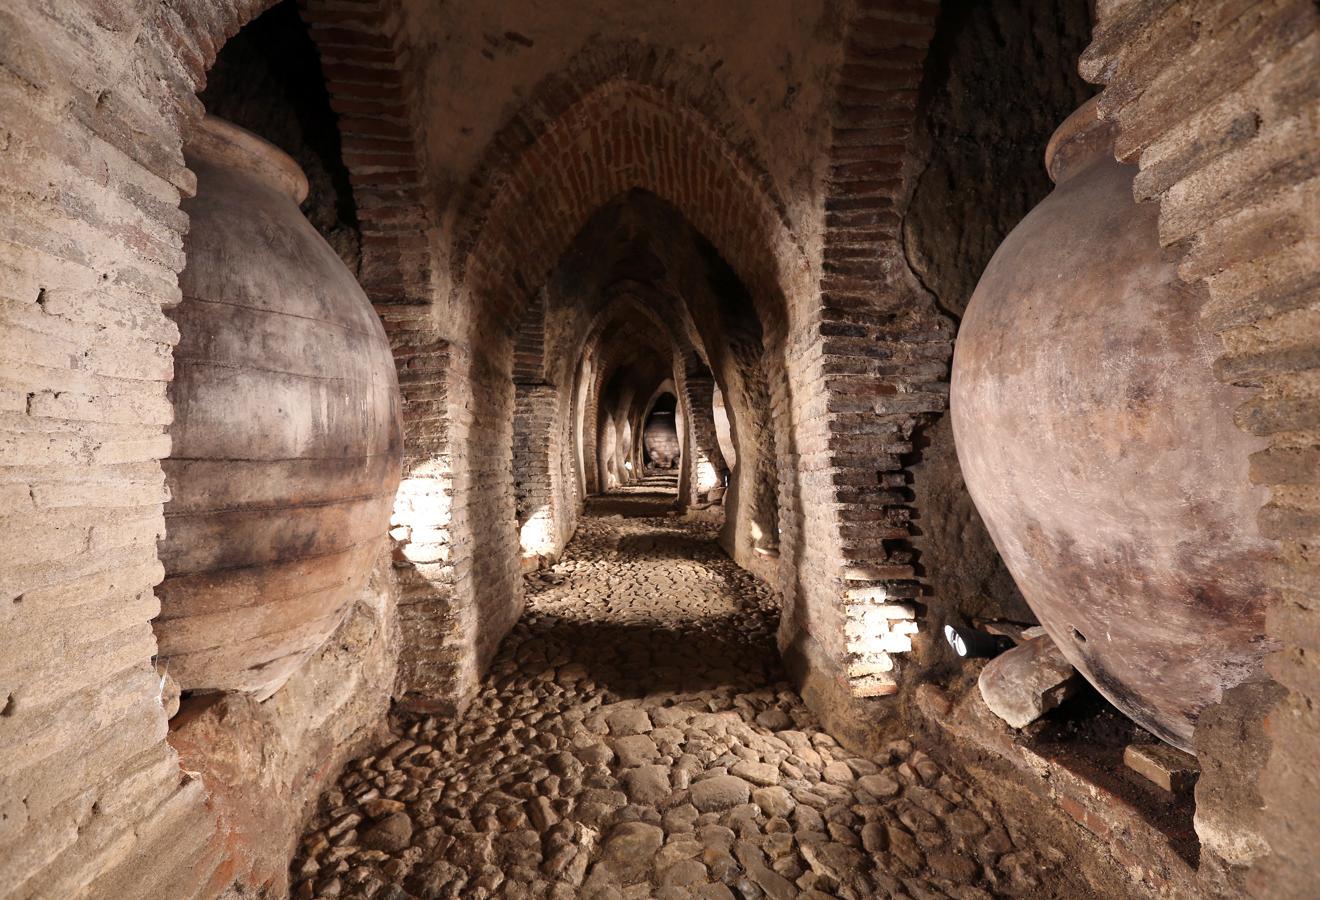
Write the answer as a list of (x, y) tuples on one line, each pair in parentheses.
[(707, 476), (875, 629), (421, 516), (537, 536)]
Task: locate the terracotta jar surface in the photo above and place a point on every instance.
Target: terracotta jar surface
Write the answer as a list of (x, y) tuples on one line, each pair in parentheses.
[(286, 444), (660, 438), (1101, 451)]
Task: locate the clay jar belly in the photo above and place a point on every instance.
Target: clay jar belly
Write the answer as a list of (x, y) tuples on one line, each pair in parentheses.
[(1101, 451), (661, 440), (286, 443)]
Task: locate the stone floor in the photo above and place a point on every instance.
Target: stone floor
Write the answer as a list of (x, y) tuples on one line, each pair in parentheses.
[(636, 738)]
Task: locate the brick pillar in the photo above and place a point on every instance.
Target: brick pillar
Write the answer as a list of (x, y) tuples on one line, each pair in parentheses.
[(884, 352), (706, 466), (534, 454), (421, 525), (881, 378), (360, 46)]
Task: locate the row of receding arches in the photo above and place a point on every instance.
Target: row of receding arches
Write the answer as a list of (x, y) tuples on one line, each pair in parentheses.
[(580, 276), (593, 274), (617, 329), (565, 384)]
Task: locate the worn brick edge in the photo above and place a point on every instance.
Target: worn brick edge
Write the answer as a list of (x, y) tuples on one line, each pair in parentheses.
[(1216, 103), (886, 352)]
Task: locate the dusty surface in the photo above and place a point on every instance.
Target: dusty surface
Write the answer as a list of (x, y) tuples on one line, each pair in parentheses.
[(287, 436), (984, 124), (636, 738), (264, 765), (1127, 521)]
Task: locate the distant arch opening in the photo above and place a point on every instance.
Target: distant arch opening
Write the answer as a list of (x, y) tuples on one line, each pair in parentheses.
[(660, 445)]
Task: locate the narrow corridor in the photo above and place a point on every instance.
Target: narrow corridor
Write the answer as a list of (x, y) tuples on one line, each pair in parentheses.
[(970, 351), (636, 737)]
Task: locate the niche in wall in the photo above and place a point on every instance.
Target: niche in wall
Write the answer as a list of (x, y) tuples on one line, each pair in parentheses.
[(999, 79), (286, 440), (278, 607), (660, 446), (268, 79)]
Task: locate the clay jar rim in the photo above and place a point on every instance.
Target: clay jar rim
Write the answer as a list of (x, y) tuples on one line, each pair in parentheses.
[(221, 142), (1078, 142)]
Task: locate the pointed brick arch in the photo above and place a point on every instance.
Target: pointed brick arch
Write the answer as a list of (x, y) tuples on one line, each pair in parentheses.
[(619, 342), (616, 120), (620, 119), (365, 70), (597, 66)]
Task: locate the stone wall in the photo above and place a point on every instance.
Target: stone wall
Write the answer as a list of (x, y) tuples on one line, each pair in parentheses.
[(92, 792), (92, 246), (265, 765), (984, 120)]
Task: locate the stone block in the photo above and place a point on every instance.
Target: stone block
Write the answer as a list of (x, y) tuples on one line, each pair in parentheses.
[(1162, 765), (1028, 681), (719, 793)]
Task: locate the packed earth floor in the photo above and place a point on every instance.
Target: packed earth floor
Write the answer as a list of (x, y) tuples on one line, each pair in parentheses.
[(636, 738)]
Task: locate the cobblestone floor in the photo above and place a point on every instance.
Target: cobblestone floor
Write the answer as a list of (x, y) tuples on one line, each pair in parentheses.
[(636, 738)]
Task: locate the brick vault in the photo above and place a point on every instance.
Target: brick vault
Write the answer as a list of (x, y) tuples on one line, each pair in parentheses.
[(659, 450)]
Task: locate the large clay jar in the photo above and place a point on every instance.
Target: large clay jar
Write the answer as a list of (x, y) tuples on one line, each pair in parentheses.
[(1101, 450), (286, 443), (661, 440)]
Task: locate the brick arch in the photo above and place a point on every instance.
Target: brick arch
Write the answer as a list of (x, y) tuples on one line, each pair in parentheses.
[(752, 506), (621, 303), (665, 387), (870, 299), (638, 125), (363, 61), (645, 408), (614, 136), (619, 352), (621, 379), (623, 311), (596, 66), (703, 465)]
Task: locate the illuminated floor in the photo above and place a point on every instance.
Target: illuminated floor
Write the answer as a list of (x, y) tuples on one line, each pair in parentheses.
[(636, 738)]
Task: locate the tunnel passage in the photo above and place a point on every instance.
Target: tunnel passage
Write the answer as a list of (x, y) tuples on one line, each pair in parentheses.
[(547, 216), (660, 434), (641, 305), (637, 733)]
